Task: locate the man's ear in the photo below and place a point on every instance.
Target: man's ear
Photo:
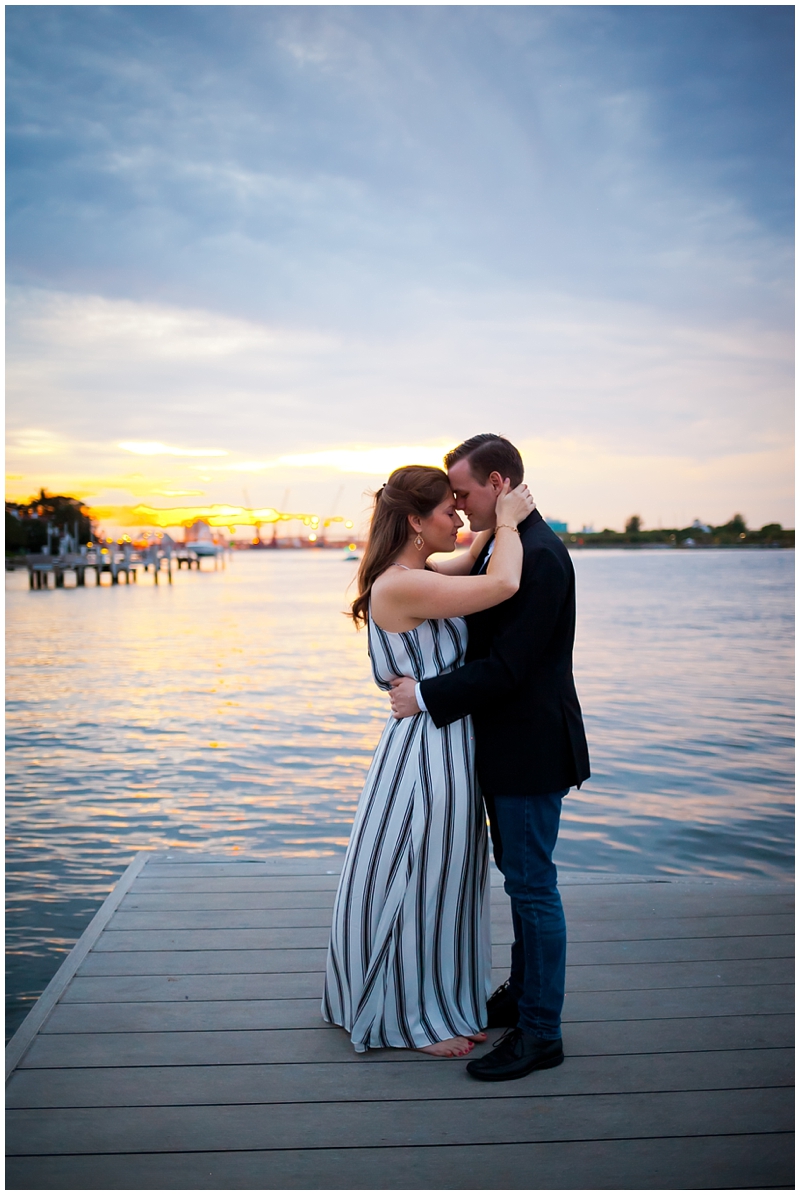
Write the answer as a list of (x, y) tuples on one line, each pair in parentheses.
[(495, 481)]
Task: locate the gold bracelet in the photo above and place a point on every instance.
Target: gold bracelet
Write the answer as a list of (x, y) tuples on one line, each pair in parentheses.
[(510, 526)]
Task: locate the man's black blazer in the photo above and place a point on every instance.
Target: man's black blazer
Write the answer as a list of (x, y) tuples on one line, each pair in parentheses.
[(517, 679)]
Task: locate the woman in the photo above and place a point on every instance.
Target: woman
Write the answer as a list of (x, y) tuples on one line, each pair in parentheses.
[(409, 961)]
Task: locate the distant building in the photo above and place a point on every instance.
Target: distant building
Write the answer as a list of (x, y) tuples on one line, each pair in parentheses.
[(557, 526), (586, 529), (698, 526)]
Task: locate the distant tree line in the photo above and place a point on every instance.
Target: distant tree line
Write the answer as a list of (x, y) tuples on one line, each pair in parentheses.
[(734, 533), (33, 526)]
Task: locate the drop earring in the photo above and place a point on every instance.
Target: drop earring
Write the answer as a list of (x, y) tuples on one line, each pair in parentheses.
[(419, 542)]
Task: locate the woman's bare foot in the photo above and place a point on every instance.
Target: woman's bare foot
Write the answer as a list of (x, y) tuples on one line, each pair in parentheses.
[(476, 1037), (454, 1047)]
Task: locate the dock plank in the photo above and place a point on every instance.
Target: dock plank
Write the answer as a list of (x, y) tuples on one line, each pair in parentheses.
[(300, 1013), (203, 962), (725, 1161), (243, 883), (271, 880), (410, 1123), (579, 931), (266, 918), (185, 1048), (579, 899), (309, 984), (314, 1082), (201, 901), (308, 1045), (658, 950)]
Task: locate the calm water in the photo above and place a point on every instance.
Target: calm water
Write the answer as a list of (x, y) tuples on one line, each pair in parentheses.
[(234, 710)]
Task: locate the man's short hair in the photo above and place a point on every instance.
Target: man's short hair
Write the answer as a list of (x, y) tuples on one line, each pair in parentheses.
[(488, 453)]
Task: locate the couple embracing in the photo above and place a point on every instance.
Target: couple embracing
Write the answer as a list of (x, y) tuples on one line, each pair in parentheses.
[(476, 654)]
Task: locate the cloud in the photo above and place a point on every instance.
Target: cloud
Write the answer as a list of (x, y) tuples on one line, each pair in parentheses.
[(586, 483), (307, 236), (154, 448), (178, 493), (371, 461), (329, 163), (216, 515), (616, 381), (93, 325), (35, 441), (511, 361)]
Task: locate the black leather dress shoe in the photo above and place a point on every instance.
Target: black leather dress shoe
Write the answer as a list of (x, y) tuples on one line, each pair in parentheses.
[(501, 1009), (517, 1053)]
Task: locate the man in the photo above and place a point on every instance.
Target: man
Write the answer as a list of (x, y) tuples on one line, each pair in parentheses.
[(530, 749)]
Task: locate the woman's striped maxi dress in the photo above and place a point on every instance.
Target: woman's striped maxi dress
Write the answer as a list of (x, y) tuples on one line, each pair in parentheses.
[(409, 961)]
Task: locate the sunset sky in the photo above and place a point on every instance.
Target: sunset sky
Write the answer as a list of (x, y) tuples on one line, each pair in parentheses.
[(263, 255)]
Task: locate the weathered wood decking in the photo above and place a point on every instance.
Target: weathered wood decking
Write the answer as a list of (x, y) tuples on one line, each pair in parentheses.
[(181, 1047)]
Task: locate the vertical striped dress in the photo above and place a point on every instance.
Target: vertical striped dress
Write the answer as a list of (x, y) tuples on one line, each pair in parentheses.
[(409, 961)]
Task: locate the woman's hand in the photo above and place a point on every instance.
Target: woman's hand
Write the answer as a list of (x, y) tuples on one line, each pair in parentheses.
[(513, 506)]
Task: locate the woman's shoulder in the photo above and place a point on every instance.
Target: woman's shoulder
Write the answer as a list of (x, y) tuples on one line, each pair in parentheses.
[(397, 576), (386, 592), (389, 578)]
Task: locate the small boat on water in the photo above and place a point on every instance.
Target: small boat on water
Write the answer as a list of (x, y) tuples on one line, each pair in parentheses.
[(200, 540)]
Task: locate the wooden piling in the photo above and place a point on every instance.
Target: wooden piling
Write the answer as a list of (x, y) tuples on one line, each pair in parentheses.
[(40, 567)]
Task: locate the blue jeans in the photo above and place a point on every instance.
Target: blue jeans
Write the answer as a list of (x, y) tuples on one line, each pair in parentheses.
[(524, 832)]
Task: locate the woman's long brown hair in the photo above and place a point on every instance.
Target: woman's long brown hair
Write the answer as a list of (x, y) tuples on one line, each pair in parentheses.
[(412, 490)]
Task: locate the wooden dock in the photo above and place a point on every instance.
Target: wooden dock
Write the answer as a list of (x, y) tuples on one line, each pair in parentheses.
[(50, 572), (180, 1047)]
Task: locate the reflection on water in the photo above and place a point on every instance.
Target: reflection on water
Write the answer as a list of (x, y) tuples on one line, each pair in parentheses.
[(235, 711), (684, 665)]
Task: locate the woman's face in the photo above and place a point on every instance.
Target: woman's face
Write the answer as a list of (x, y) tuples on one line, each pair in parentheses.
[(440, 528)]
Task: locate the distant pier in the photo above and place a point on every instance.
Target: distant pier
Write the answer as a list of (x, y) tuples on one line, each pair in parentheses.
[(49, 572)]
